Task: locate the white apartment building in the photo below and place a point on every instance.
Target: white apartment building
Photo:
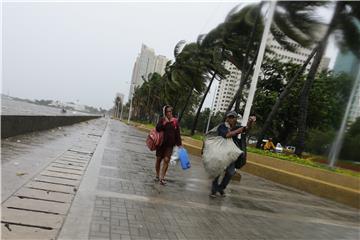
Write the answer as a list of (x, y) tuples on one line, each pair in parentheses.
[(228, 87), (160, 64), (299, 56), (146, 62)]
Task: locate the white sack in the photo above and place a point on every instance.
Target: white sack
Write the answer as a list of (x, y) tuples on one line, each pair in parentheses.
[(219, 153)]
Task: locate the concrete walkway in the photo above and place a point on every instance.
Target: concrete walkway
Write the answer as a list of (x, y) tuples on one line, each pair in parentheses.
[(117, 198)]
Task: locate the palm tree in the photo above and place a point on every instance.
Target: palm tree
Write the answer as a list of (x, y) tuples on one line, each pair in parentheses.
[(281, 98), (187, 73), (212, 57), (118, 104), (291, 20), (345, 24)]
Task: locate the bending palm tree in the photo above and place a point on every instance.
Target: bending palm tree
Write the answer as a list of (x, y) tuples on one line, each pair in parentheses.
[(291, 20), (187, 73), (281, 98), (343, 22), (212, 58)]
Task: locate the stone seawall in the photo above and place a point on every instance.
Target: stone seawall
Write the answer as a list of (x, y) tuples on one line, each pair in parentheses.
[(12, 125)]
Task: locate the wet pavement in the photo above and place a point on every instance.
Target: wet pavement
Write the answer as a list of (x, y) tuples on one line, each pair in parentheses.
[(117, 197)]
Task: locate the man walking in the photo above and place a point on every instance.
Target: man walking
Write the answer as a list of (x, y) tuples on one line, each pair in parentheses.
[(228, 129)]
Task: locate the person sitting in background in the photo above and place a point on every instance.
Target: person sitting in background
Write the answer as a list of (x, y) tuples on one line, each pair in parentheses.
[(269, 145)]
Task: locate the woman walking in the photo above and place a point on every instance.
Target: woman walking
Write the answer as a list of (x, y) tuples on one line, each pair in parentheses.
[(169, 125)]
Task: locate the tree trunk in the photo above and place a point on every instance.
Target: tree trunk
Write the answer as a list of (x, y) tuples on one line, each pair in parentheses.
[(185, 105), (176, 101), (201, 104), (304, 100), (305, 91), (281, 98)]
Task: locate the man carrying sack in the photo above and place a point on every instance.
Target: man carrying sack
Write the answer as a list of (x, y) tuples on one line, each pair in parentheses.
[(223, 151)]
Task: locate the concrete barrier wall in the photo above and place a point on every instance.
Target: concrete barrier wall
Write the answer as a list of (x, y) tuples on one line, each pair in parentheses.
[(12, 125)]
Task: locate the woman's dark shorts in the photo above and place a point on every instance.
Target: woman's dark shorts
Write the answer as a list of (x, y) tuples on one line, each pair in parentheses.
[(164, 152)]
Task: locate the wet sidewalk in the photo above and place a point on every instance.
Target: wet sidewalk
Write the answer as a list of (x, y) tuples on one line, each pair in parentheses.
[(116, 197)]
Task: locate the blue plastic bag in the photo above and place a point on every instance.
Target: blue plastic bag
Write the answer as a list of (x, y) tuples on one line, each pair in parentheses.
[(184, 158)]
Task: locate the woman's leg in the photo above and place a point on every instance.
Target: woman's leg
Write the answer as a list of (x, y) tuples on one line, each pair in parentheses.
[(157, 166), (164, 168)]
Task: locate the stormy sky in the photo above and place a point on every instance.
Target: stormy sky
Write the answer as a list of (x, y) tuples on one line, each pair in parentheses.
[(84, 52)]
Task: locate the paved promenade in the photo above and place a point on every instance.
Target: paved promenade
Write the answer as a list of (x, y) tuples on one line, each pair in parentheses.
[(117, 198)]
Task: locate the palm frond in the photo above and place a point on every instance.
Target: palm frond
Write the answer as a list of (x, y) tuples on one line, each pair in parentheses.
[(284, 25), (232, 12), (178, 47), (280, 37)]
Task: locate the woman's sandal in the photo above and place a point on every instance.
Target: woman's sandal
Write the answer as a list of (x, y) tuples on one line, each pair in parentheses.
[(162, 182), (156, 179)]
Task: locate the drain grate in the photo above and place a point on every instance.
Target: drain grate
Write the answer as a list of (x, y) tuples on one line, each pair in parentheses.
[(24, 231), (38, 209)]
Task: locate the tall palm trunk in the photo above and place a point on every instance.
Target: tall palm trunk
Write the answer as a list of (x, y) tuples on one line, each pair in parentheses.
[(282, 96), (186, 103), (201, 104), (305, 91), (176, 101)]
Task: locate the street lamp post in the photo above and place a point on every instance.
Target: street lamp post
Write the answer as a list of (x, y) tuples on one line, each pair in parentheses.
[(258, 64)]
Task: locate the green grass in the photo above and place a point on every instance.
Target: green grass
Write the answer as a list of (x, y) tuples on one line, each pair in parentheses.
[(149, 125), (302, 161), (186, 132), (291, 158)]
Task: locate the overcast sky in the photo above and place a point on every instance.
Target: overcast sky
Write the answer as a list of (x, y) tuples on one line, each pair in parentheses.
[(85, 52)]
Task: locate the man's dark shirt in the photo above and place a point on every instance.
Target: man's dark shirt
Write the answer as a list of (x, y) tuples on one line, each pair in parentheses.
[(223, 130)]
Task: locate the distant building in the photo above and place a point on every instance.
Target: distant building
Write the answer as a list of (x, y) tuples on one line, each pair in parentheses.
[(160, 64), (299, 56), (347, 63), (147, 62), (227, 88)]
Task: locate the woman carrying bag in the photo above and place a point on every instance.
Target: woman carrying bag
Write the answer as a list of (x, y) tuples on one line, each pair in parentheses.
[(170, 127)]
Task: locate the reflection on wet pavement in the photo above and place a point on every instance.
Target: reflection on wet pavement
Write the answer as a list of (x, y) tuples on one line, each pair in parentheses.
[(130, 204)]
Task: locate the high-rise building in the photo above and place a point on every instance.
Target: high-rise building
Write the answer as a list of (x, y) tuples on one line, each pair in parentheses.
[(146, 62), (160, 64), (348, 63), (224, 93), (299, 56), (227, 88)]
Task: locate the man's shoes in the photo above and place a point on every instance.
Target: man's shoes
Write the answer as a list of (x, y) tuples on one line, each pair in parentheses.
[(212, 195), (222, 193)]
